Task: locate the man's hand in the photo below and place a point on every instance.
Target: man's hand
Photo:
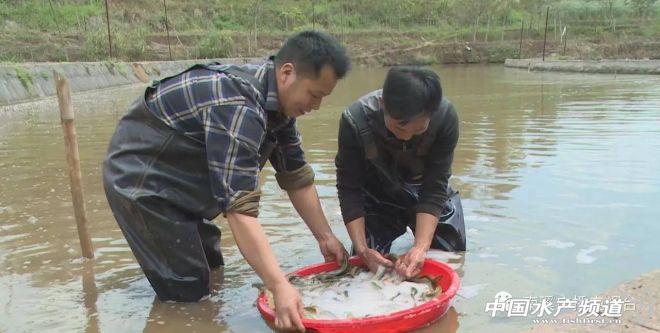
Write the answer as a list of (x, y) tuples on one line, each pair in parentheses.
[(410, 264), (370, 257), (288, 308), (306, 201), (373, 259), (332, 249), (254, 246)]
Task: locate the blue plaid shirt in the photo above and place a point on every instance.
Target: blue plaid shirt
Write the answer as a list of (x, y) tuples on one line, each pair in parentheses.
[(234, 119)]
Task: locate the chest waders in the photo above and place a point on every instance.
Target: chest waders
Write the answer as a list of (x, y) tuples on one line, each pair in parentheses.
[(157, 184), (395, 170)]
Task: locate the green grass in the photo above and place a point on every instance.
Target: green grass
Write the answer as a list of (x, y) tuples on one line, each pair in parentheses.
[(40, 15), (35, 30), (24, 76), (216, 45)]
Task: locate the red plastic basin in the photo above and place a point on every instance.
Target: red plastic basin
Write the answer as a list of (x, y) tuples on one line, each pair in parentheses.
[(401, 321)]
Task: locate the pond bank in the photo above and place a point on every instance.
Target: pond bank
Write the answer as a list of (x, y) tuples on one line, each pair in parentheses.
[(586, 66), (642, 292), (28, 81), (23, 82)]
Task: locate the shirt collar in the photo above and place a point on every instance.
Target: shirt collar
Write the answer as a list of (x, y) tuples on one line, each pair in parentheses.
[(267, 78), (266, 75)]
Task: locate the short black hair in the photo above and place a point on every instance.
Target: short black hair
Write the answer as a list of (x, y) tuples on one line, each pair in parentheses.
[(310, 50), (410, 91)]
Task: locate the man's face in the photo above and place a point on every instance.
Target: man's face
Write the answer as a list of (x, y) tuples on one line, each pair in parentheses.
[(406, 129), (300, 94)]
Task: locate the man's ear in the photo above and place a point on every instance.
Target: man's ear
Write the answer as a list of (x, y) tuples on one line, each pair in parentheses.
[(287, 72)]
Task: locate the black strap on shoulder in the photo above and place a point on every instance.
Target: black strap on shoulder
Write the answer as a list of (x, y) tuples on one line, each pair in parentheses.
[(216, 66), (245, 76), (361, 123)]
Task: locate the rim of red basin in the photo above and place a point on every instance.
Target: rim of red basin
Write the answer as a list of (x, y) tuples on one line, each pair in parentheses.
[(439, 301)]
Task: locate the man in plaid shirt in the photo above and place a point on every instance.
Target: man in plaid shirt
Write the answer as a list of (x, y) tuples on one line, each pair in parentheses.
[(192, 148)]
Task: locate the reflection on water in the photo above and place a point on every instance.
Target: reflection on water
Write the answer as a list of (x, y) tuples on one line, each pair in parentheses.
[(558, 174), (446, 324)]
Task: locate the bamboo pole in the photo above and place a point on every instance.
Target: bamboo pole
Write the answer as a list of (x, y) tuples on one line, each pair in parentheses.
[(167, 29), (565, 36), (487, 29), (506, 21), (57, 24), (256, 30), (107, 19), (73, 160), (545, 35), (522, 26), (555, 24)]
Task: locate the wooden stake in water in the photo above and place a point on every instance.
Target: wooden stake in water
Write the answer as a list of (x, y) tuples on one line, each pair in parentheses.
[(73, 160)]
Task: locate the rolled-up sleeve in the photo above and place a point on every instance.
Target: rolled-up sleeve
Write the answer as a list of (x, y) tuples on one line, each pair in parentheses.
[(288, 159), (435, 183), (351, 165), (233, 136)]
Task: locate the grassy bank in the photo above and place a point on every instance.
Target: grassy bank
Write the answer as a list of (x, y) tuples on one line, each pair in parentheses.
[(387, 31)]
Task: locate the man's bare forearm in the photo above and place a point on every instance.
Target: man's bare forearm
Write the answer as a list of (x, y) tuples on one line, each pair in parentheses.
[(306, 202), (253, 244), (358, 237), (424, 230)]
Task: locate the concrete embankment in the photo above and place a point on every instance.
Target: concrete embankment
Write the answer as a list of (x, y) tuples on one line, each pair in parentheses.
[(28, 81), (585, 66)]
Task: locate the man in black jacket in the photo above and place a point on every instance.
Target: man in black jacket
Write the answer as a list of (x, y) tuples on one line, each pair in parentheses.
[(396, 147)]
